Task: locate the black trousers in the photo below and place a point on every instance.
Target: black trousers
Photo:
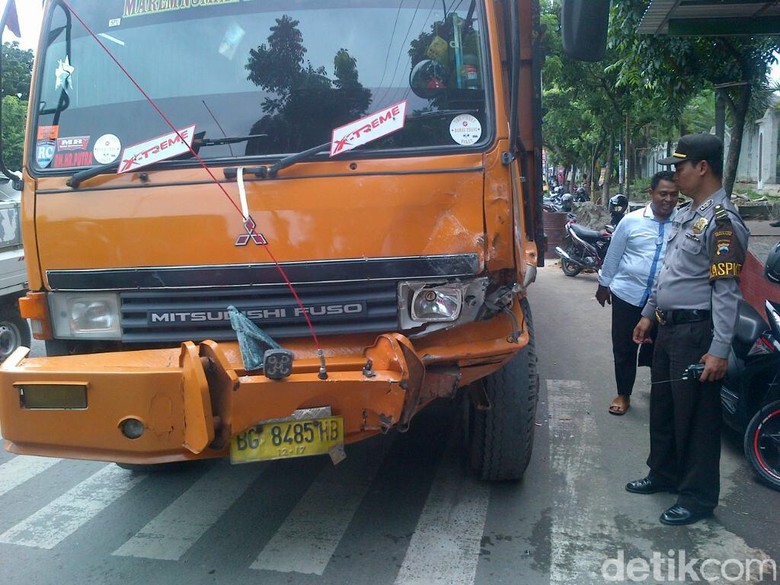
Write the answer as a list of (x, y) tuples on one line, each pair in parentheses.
[(625, 316), (685, 418)]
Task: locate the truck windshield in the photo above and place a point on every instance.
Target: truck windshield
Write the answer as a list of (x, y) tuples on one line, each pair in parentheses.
[(268, 77)]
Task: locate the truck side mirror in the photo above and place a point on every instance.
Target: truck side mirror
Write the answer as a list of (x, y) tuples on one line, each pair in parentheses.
[(584, 28)]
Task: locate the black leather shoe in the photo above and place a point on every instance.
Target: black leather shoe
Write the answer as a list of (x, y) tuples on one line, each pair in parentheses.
[(648, 486), (775, 223), (679, 515)]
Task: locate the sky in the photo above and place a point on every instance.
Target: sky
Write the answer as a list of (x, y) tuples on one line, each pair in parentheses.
[(29, 12)]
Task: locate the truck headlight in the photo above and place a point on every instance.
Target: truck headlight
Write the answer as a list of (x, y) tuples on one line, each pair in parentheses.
[(428, 306), (85, 315), (437, 303)]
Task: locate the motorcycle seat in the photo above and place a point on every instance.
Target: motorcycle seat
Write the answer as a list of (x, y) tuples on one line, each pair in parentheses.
[(586, 233), (749, 327)]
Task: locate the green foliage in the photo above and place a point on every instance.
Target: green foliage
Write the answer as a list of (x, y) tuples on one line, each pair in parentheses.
[(677, 69), (17, 69), (658, 86), (14, 116)]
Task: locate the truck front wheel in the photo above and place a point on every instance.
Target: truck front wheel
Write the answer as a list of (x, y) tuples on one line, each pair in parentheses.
[(14, 330), (500, 437)]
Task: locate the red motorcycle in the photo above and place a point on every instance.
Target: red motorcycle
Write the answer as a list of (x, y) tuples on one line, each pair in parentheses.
[(583, 248)]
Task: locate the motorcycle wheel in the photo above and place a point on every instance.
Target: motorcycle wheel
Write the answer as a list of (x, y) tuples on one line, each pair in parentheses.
[(570, 268), (762, 444)]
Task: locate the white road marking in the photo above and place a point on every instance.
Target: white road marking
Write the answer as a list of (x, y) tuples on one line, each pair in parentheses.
[(573, 443), (445, 546), (174, 530), (62, 517), (309, 536), (21, 468)]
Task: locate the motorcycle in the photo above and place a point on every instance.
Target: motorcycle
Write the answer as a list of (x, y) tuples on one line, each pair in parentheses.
[(581, 195), (559, 201), (750, 394), (583, 248)]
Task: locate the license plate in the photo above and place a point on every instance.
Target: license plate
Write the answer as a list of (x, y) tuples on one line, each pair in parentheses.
[(285, 439)]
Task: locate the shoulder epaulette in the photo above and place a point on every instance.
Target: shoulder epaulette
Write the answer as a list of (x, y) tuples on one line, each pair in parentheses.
[(721, 213)]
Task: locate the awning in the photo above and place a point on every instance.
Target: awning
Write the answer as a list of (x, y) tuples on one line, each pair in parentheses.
[(711, 18)]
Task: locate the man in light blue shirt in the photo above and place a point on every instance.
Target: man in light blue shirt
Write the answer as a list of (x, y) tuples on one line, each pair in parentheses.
[(626, 279)]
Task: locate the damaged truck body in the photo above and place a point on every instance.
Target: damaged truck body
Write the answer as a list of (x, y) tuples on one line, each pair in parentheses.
[(261, 230)]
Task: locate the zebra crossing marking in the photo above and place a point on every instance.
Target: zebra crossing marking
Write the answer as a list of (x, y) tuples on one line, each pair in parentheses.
[(65, 515), (18, 470), (445, 546), (174, 530), (307, 539)]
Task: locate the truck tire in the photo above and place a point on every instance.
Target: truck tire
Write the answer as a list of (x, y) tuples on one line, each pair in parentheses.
[(14, 330), (500, 439)]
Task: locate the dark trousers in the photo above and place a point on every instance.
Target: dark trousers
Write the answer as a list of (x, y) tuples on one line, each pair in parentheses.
[(685, 418), (625, 316)]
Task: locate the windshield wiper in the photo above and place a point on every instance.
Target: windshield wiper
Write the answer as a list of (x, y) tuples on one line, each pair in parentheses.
[(80, 176), (200, 140), (439, 114), (282, 163), (291, 159), (299, 156)]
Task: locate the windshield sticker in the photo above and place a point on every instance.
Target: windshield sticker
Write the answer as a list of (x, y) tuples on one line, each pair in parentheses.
[(157, 149), (231, 40), (465, 129), (370, 128), (46, 145), (48, 133), (62, 73), (72, 151), (141, 7), (72, 143), (107, 149), (82, 158)]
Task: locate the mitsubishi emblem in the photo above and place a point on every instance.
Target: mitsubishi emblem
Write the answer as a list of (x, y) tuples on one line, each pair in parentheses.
[(251, 234)]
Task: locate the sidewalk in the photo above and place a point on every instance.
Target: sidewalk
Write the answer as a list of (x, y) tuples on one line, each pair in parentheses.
[(763, 238)]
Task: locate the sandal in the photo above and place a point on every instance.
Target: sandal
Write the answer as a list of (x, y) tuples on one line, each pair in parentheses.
[(620, 405)]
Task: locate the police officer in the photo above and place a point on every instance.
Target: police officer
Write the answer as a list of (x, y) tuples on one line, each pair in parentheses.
[(694, 305)]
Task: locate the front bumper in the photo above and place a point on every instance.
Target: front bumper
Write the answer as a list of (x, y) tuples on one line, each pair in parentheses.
[(193, 399)]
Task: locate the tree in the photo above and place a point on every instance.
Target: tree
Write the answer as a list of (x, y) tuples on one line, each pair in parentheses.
[(17, 70), (675, 68), (14, 116)]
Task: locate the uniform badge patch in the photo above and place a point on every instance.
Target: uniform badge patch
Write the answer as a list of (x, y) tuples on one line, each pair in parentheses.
[(705, 206), (699, 225), (726, 253)]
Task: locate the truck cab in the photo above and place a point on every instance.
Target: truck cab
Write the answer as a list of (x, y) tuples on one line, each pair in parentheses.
[(262, 230)]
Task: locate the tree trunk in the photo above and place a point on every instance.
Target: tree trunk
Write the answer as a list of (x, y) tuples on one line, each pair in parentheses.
[(738, 114), (628, 173), (608, 172), (720, 114)]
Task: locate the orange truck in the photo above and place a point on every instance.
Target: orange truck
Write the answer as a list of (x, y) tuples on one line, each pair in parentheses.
[(268, 229)]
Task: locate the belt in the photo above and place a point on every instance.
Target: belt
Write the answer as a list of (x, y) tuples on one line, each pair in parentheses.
[(681, 316)]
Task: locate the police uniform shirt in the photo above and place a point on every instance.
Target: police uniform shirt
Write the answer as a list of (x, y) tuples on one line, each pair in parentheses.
[(705, 252)]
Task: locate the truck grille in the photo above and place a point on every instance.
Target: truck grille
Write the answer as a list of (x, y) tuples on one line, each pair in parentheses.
[(198, 314)]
